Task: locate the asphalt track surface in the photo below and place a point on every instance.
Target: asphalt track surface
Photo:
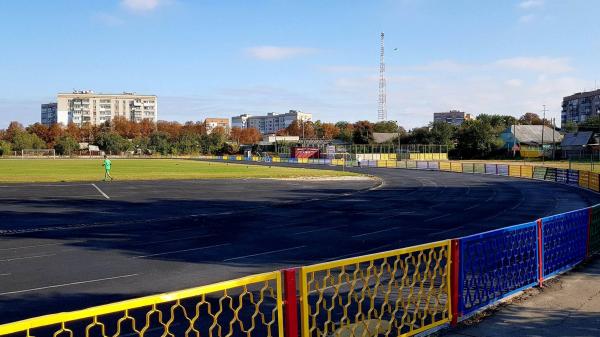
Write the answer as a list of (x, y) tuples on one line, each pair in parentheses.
[(70, 246)]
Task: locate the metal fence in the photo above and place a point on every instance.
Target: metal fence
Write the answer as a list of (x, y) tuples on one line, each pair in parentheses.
[(400, 292), (250, 306), (496, 264)]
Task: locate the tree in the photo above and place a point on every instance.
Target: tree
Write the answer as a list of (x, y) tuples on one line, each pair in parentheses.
[(112, 142), (41, 131), (159, 142), (386, 127), (591, 124), (5, 148), (530, 118), (23, 140), (249, 136), (329, 131), (570, 127), (420, 136), (346, 131), (477, 139), (13, 129), (443, 133), (66, 145), (363, 132)]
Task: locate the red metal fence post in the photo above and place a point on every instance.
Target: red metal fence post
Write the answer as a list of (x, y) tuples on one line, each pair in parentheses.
[(454, 277), (290, 303), (540, 253)]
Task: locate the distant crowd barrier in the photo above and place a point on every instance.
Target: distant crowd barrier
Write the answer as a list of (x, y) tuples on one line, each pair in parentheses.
[(400, 292)]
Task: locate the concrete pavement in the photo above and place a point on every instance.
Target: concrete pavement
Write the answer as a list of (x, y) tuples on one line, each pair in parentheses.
[(568, 305)]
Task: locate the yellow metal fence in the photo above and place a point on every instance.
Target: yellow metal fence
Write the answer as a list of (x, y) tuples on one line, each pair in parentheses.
[(249, 306), (396, 293)]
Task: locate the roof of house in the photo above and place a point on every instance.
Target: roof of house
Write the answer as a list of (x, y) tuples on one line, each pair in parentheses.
[(532, 134), (577, 138), (382, 137)]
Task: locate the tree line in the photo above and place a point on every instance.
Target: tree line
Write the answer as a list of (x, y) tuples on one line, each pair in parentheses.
[(477, 138)]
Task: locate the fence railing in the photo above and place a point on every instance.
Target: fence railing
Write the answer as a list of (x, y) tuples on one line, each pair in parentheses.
[(249, 306), (400, 292)]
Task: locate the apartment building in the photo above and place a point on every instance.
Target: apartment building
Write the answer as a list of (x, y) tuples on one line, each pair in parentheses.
[(453, 117), (272, 122), (579, 107), (88, 107), (212, 123), (50, 116)]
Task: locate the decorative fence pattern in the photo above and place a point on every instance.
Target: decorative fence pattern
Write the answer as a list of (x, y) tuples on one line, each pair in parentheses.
[(396, 293), (250, 306), (496, 264), (564, 240)]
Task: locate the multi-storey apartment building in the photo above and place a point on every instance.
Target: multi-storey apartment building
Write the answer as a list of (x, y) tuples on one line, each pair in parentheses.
[(272, 122), (580, 106), (453, 117), (88, 107), (212, 123), (50, 116)]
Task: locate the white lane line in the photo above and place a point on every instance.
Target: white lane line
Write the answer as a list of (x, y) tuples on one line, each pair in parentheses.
[(67, 284), (265, 253), (319, 230), (446, 231), (376, 232), (26, 257), (6, 274), (471, 207), (181, 251), (99, 190), (437, 217)]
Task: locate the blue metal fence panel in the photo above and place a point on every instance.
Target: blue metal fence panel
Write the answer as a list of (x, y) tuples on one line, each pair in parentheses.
[(372, 163), (550, 174), (573, 177), (564, 241), (561, 176), (433, 165), (490, 168), (503, 170), (422, 165), (327, 161), (496, 264)]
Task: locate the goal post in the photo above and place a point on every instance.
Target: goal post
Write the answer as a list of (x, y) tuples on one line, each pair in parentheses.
[(38, 153)]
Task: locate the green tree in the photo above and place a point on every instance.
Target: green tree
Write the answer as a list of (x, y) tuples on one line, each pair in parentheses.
[(65, 145), (386, 127), (23, 140), (346, 131), (570, 127), (443, 133), (159, 142), (112, 142), (477, 139), (5, 148)]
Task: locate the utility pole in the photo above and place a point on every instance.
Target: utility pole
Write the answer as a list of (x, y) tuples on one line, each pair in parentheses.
[(382, 111), (543, 127)]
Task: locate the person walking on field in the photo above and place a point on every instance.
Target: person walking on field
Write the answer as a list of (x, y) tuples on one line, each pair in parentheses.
[(107, 163)]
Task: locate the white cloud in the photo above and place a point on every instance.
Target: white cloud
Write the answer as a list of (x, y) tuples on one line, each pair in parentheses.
[(273, 53), (528, 4), (537, 64), (513, 82), (141, 5)]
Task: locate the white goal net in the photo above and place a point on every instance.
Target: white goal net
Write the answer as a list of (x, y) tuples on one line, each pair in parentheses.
[(38, 153)]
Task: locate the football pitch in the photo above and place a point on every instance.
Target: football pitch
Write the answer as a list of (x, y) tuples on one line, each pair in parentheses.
[(74, 170)]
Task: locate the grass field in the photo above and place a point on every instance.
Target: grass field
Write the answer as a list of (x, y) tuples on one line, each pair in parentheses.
[(69, 170)]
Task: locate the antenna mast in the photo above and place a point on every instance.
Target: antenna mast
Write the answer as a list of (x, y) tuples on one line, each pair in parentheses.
[(382, 111)]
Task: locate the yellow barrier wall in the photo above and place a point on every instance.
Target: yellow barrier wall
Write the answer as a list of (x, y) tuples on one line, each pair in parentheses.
[(584, 177), (456, 167), (396, 293), (514, 170), (527, 172), (445, 166), (594, 182), (230, 307), (381, 163)]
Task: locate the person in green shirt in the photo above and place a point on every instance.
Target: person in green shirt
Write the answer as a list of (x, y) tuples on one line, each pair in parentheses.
[(107, 163)]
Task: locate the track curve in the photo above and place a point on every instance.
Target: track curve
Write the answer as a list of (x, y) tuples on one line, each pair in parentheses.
[(161, 236)]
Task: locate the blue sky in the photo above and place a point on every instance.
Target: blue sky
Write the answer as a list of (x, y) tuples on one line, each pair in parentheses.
[(222, 58)]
